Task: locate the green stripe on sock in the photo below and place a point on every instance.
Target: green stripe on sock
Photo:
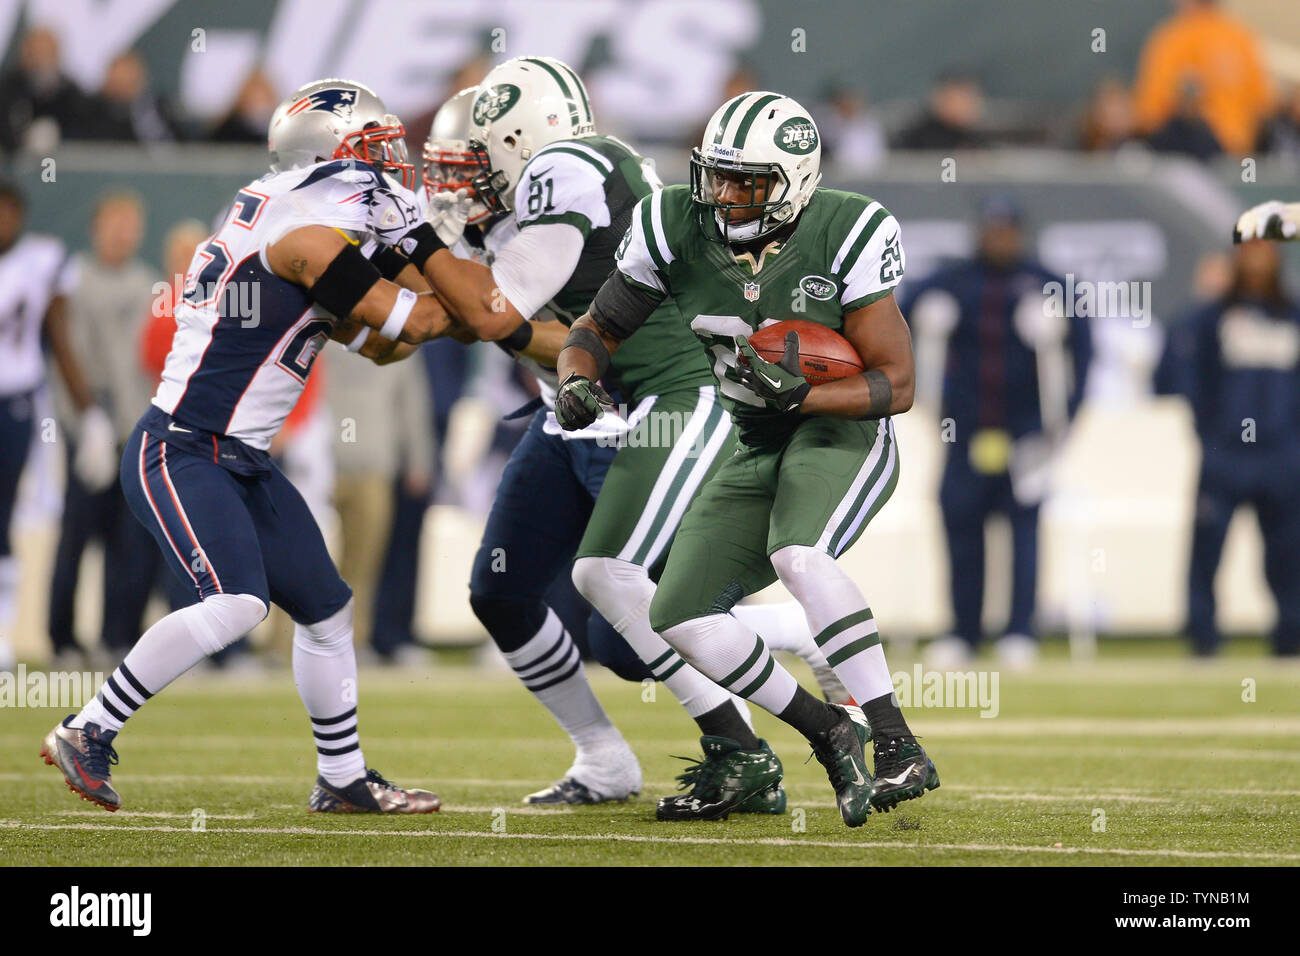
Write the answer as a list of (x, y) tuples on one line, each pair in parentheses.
[(857, 647), (672, 670), (857, 617), (661, 659), (760, 680), (749, 662)]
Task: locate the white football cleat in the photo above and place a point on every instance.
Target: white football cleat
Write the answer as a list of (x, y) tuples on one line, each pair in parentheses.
[(603, 773), (1017, 652), (947, 653)]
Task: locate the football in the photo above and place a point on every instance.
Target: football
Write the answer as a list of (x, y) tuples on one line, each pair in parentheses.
[(824, 354)]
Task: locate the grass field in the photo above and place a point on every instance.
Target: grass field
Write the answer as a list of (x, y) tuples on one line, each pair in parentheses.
[(1182, 770)]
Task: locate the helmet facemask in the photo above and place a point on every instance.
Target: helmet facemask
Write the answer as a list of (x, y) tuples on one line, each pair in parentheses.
[(382, 144), (451, 170), (774, 210), (491, 185)]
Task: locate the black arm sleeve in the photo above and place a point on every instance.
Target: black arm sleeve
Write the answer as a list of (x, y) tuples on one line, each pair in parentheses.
[(620, 308), (389, 262)]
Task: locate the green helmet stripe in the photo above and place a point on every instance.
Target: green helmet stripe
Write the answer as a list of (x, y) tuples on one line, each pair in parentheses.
[(743, 129), (574, 119), (582, 90), (726, 117)]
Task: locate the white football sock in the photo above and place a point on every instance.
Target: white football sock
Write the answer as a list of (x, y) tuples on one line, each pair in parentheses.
[(325, 670), (841, 621), (166, 651), (784, 627), (621, 592), (550, 666), (735, 657)]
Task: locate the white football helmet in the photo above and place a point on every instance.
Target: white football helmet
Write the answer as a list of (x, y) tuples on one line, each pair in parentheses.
[(449, 164), (754, 135), (338, 119), (522, 105)]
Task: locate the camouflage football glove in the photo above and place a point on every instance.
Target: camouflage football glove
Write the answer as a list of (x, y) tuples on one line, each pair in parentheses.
[(780, 385), (578, 402)]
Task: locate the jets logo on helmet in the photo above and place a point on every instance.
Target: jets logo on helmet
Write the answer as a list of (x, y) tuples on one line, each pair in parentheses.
[(796, 136), (338, 101), (523, 105), (495, 101), (756, 168)]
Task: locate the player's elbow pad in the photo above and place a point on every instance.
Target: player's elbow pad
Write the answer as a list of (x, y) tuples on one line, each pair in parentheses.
[(620, 308), (345, 282)]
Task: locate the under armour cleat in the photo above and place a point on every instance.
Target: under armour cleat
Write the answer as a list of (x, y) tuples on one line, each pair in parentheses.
[(608, 773), (840, 751), (903, 772), (84, 754), (370, 794), (727, 780)]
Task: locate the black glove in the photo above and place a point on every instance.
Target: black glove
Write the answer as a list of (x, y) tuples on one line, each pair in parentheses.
[(779, 384), (578, 402)]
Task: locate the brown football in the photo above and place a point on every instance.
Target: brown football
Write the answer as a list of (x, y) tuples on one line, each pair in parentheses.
[(824, 354)]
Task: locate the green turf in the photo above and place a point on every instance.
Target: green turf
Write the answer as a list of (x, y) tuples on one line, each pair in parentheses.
[(1178, 762)]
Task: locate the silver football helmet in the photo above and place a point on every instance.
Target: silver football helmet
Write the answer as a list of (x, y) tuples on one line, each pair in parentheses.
[(338, 119), (449, 164)]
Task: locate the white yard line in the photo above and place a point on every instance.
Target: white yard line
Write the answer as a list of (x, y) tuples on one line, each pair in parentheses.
[(673, 841)]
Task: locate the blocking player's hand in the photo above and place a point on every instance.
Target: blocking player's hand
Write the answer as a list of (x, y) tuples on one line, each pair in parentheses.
[(448, 214), (1270, 220), (780, 385), (579, 402)]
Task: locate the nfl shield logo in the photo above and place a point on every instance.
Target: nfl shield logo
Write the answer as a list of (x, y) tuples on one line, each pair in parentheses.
[(751, 291)]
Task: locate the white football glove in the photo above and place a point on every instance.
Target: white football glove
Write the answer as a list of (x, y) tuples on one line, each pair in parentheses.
[(448, 213), (1269, 220), (96, 461)]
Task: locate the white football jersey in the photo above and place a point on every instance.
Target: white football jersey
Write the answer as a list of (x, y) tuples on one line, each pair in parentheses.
[(246, 339), (31, 274)]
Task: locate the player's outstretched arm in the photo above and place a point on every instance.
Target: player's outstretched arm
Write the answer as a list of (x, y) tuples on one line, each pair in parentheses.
[(1269, 220), (336, 275), (880, 335)]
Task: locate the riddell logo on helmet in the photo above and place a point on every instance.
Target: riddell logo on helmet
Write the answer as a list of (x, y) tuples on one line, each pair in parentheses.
[(796, 135), (494, 102)]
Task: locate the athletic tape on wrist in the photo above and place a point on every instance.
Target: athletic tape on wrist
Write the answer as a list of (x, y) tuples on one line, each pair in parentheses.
[(396, 320)]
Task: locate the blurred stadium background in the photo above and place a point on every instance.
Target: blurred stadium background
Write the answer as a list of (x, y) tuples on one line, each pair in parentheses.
[(929, 106)]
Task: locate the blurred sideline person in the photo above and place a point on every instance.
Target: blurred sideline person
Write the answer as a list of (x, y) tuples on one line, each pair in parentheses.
[(1237, 362), (109, 296), (1220, 56), (380, 422), (33, 306), (42, 103), (1011, 379), (282, 276)]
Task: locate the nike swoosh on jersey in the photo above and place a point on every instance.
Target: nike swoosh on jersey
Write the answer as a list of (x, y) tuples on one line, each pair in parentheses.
[(173, 427), (533, 177)]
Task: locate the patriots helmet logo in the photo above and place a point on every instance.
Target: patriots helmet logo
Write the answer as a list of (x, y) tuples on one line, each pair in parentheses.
[(338, 100)]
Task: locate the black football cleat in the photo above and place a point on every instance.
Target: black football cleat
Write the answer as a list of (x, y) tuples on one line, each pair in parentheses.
[(841, 751), (726, 780), (84, 754), (903, 772), (370, 794)]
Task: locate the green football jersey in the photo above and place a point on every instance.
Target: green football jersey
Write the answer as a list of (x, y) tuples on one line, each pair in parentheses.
[(594, 184), (844, 253)]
